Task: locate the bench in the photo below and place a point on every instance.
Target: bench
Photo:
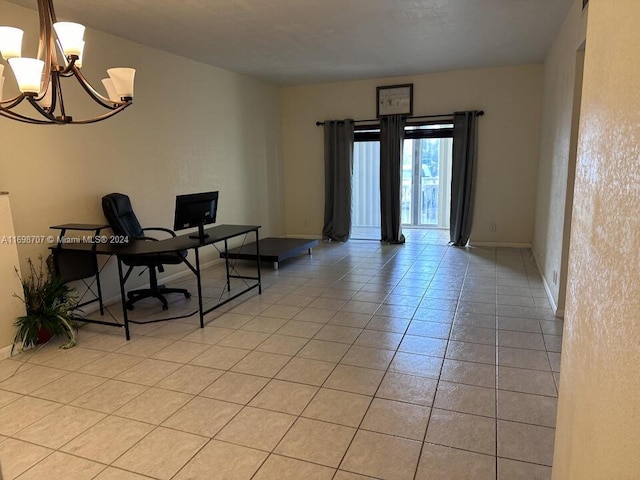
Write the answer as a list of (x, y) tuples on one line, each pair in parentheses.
[(272, 249)]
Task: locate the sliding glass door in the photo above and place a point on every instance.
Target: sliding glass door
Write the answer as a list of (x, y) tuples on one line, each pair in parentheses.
[(426, 179), (426, 176), (365, 196)]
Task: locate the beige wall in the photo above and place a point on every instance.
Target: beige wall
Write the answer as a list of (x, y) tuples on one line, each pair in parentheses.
[(598, 413), (192, 128), (508, 141), (555, 150), (10, 306)]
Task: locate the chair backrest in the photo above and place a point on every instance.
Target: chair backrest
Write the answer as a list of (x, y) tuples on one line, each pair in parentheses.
[(119, 213)]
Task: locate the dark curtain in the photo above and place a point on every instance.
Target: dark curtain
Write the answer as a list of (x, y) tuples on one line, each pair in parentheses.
[(338, 169), (391, 139), (465, 133)]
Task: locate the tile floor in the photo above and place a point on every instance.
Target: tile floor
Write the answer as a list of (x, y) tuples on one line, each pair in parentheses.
[(361, 361)]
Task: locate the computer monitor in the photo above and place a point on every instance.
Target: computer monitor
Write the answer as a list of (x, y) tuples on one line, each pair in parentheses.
[(196, 210)]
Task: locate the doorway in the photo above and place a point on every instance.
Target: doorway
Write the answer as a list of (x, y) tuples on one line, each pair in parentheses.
[(571, 176)]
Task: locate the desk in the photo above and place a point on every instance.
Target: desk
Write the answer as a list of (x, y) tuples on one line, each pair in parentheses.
[(72, 265), (220, 233)]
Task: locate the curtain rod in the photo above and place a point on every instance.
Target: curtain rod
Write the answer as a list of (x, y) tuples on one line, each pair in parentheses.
[(479, 113)]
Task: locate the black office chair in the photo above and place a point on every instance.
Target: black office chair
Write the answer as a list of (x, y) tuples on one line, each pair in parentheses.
[(119, 213)]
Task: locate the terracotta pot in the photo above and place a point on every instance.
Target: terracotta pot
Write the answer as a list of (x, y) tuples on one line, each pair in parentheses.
[(44, 335)]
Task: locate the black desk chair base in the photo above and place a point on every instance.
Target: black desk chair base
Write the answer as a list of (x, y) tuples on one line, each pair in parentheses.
[(154, 291)]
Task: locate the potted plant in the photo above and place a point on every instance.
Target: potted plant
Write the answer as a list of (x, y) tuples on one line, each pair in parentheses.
[(49, 303)]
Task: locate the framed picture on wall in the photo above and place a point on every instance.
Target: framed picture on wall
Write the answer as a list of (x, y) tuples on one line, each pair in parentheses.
[(394, 100)]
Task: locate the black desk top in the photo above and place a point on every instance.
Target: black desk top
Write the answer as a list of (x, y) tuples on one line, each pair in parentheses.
[(169, 245), (80, 226)]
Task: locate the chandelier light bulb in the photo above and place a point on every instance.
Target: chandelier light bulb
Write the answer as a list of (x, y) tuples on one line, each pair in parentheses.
[(10, 42), (79, 60), (111, 91), (122, 79), (28, 73), (46, 100), (71, 36)]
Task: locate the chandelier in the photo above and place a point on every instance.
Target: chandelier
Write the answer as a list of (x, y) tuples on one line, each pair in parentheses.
[(39, 79)]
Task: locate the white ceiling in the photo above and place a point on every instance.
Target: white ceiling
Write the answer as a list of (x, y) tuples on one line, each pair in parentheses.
[(293, 42)]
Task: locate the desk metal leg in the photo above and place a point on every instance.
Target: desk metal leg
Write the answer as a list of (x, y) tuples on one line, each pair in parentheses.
[(258, 262), (226, 262), (199, 280), (97, 270), (98, 286), (124, 302)]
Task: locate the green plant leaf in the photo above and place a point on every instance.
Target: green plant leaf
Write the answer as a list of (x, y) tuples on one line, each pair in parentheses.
[(49, 304)]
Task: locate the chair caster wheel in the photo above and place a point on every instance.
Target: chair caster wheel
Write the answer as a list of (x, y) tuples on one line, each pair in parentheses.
[(165, 307), (187, 295)]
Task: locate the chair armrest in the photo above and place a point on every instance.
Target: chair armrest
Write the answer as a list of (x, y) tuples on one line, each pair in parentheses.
[(161, 229), (144, 237), (152, 239)]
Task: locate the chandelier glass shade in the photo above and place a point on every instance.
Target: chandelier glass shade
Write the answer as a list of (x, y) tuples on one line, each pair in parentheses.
[(39, 79)]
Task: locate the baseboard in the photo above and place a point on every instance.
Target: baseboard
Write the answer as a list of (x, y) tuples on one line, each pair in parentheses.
[(501, 244), (554, 306), (5, 352)]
